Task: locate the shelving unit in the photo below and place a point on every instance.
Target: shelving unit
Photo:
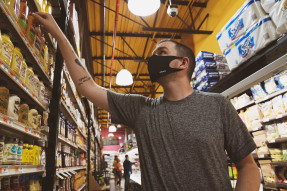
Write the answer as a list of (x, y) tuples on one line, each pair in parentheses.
[(70, 169), (246, 105), (7, 21), (12, 170), (82, 187)]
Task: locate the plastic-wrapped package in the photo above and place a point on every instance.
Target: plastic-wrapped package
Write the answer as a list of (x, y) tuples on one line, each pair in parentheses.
[(258, 92), (242, 115), (210, 76), (205, 65), (204, 55), (263, 150), (278, 105), (267, 109), (220, 58), (259, 138), (271, 86), (282, 79), (222, 67), (271, 132), (247, 15), (254, 116), (278, 13), (243, 99), (282, 129), (204, 86), (256, 38)]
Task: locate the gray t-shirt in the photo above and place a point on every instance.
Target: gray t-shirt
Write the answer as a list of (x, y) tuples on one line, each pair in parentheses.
[(182, 143)]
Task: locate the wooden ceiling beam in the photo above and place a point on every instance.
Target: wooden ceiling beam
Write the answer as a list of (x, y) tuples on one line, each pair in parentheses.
[(177, 30), (143, 35), (100, 74), (185, 3)]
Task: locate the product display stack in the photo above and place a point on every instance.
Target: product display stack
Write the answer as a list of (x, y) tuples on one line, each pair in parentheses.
[(209, 69)]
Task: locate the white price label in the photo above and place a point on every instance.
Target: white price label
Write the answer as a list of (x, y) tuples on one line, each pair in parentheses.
[(5, 170), (279, 116), (272, 141), (261, 156), (266, 120)]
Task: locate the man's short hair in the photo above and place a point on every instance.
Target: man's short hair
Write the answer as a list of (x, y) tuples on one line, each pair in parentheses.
[(127, 156), (183, 51)]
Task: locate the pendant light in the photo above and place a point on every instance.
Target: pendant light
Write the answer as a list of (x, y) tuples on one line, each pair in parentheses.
[(110, 135), (124, 78), (112, 129), (143, 7)]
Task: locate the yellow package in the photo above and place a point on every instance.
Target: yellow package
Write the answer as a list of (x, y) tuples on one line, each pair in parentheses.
[(23, 71), (17, 60)]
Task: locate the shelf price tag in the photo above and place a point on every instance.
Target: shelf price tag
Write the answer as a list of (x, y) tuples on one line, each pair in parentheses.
[(271, 141), (4, 170), (261, 156), (279, 116), (38, 167)]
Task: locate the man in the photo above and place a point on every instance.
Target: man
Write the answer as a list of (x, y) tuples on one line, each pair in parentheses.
[(183, 135), (115, 169), (127, 171)]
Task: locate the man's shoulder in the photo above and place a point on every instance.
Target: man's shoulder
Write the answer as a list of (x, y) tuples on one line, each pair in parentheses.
[(210, 96)]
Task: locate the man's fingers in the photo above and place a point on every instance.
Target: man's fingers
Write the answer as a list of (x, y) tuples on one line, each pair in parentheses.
[(39, 17), (42, 14)]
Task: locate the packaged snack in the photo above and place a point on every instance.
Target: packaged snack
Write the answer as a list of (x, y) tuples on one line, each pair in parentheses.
[(271, 86), (271, 132), (258, 92), (220, 58), (243, 99), (209, 65), (267, 109), (23, 113), (282, 129), (254, 116), (259, 138), (13, 107), (204, 55), (4, 99), (268, 172), (278, 105)]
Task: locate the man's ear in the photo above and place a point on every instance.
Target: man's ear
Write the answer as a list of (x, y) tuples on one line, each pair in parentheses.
[(184, 63)]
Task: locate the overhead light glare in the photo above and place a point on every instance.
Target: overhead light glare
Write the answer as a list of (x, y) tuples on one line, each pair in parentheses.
[(112, 129), (143, 7), (124, 78)]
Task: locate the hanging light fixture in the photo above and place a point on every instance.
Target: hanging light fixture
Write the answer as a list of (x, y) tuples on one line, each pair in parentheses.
[(124, 78), (110, 135), (112, 129), (143, 7)]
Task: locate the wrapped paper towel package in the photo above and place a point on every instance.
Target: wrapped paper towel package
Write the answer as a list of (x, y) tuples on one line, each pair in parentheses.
[(249, 14), (268, 5), (279, 16), (255, 39)]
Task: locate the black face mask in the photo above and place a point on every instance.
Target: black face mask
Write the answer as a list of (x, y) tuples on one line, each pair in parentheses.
[(158, 66)]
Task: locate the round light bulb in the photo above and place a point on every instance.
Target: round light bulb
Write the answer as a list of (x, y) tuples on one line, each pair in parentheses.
[(124, 78), (143, 7), (112, 129)]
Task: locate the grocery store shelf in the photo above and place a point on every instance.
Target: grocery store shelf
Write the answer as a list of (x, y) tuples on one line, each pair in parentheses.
[(7, 122), (266, 63), (245, 105), (277, 140), (82, 187), (272, 95), (281, 185), (11, 170), (268, 119), (68, 114), (258, 128), (48, 37), (270, 187), (261, 156), (76, 97), (14, 83), (82, 149), (282, 163), (65, 140), (69, 169), (7, 21)]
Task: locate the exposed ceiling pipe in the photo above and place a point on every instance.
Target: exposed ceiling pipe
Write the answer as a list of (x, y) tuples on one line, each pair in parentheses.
[(103, 44)]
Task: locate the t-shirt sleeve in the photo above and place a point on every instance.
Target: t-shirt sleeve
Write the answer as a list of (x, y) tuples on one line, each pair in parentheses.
[(238, 141), (124, 108)]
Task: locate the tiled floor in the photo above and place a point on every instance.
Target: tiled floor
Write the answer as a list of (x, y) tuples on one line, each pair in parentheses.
[(113, 188)]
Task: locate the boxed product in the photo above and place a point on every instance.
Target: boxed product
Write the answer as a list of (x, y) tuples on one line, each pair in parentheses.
[(267, 109), (204, 65), (271, 86), (268, 172), (282, 129), (210, 76), (204, 86), (248, 14), (241, 100), (256, 38), (263, 150), (271, 132), (254, 116), (258, 92), (278, 12), (259, 138), (278, 105)]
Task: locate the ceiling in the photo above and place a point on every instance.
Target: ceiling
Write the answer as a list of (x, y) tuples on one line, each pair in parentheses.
[(135, 41)]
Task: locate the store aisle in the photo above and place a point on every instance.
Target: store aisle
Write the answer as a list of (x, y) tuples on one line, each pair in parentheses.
[(113, 188)]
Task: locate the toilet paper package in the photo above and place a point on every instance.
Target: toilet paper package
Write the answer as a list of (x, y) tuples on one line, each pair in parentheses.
[(206, 85), (248, 14), (210, 66), (278, 14), (268, 5), (204, 55), (255, 39), (210, 76)]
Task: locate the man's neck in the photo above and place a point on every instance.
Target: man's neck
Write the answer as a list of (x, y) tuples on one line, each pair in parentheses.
[(177, 90)]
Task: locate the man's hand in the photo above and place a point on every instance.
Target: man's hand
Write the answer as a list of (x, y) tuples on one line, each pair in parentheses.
[(47, 23)]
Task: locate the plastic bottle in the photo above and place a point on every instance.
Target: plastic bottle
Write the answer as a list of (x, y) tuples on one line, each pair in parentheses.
[(48, 8), (2, 144), (23, 15), (19, 152), (25, 154), (23, 71), (10, 151), (30, 78), (31, 30), (7, 48), (23, 113), (6, 185), (13, 7), (16, 184), (17, 60)]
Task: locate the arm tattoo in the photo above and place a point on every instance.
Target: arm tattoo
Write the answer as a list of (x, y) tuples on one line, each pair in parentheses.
[(83, 80), (79, 63)]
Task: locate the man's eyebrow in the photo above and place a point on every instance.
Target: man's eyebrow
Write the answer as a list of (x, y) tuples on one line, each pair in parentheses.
[(160, 48)]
